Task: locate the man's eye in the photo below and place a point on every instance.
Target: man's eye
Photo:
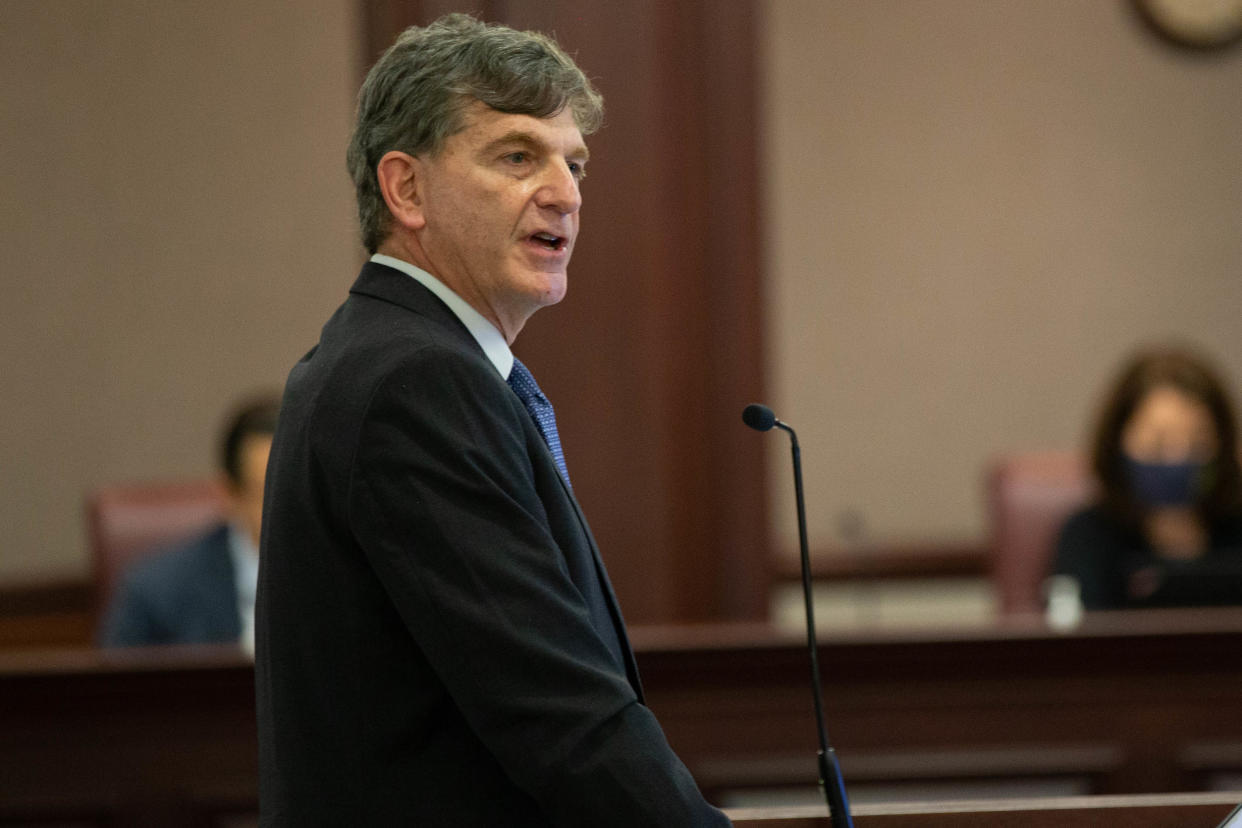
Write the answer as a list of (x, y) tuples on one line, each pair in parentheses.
[(577, 170), (516, 158)]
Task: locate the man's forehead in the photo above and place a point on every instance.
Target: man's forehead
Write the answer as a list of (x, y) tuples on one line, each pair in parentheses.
[(483, 125)]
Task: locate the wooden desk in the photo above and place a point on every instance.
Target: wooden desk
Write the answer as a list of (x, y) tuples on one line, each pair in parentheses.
[(135, 738), (1152, 811), (1128, 704)]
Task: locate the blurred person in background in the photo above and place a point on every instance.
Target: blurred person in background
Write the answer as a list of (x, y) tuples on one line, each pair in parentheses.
[(202, 591), (1166, 526)]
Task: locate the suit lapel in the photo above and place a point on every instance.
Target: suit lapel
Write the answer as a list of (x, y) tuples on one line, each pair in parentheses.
[(614, 608)]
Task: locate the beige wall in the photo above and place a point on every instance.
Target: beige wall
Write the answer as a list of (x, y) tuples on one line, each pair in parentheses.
[(974, 209), (176, 226)]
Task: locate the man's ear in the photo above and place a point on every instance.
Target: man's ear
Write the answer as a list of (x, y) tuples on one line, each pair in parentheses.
[(401, 182)]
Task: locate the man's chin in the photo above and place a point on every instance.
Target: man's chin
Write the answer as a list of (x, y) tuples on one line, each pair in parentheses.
[(553, 289), (537, 290)]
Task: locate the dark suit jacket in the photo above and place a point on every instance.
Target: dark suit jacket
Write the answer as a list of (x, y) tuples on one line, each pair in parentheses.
[(1104, 555), (186, 595), (424, 653)]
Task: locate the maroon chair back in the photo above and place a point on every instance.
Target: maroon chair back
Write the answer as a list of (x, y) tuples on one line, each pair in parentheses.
[(1030, 495), (126, 522)]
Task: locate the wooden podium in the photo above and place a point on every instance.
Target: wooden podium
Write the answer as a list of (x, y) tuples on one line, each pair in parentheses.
[(1143, 811)]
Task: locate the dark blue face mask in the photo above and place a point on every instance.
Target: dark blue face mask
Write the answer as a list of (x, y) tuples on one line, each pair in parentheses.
[(1166, 484)]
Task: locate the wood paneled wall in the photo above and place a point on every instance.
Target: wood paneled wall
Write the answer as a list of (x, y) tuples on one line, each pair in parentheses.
[(657, 347)]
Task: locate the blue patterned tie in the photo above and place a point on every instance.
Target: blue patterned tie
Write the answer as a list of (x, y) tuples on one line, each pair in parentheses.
[(582, 567), (524, 385)]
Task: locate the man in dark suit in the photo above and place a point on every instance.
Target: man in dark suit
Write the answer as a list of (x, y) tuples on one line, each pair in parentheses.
[(437, 639), (202, 591)]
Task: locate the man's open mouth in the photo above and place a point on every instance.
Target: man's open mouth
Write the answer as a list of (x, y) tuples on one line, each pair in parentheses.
[(549, 241)]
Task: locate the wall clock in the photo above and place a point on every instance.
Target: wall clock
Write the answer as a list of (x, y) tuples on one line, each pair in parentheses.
[(1206, 25)]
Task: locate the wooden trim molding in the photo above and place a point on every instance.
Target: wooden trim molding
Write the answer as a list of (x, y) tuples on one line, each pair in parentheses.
[(891, 561), (47, 614)]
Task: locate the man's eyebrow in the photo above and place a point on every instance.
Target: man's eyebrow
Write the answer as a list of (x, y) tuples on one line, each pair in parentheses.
[(520, 137)]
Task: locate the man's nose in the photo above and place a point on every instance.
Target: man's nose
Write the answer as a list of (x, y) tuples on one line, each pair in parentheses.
[(559, 189)]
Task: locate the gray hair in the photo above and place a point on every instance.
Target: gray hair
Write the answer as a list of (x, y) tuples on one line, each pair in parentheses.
[(413, 97)]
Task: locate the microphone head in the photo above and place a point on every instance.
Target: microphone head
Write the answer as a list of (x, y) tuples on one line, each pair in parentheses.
[(759, 417)]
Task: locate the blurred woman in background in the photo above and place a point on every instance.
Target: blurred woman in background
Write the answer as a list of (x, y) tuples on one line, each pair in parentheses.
[(1166, 528)]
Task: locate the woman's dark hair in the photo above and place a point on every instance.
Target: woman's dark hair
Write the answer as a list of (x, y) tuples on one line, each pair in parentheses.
[(1183, 369)]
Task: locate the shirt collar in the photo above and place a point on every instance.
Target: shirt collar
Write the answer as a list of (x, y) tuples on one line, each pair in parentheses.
[(245, 563), (484, 332)]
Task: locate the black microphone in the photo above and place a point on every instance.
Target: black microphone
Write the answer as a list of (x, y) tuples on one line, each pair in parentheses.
[(761, 418)]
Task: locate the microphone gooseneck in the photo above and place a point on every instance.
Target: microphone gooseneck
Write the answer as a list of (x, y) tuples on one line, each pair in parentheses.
[(761, 418)]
